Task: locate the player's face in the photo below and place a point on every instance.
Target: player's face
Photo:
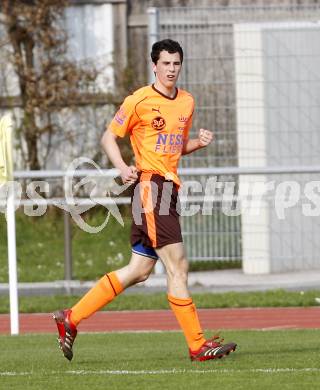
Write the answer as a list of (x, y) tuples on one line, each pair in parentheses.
[(167, 69)]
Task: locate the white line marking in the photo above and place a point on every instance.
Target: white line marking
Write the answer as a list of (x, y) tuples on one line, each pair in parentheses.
[(132, 331), (285, 327), (165, 372), (183, 371)]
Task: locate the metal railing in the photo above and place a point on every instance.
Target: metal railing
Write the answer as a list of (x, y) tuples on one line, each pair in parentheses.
[(207, 236)]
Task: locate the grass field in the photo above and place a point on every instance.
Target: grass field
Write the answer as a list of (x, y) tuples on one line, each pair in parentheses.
[(264, 360), (40, 248)]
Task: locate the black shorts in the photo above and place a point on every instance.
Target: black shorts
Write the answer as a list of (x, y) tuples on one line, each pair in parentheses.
[(154, 211)]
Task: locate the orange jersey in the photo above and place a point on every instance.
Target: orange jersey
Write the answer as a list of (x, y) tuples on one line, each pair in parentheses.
[(158, 126)]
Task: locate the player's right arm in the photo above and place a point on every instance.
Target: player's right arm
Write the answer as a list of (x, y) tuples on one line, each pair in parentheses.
[(111, 147), (123, 123)]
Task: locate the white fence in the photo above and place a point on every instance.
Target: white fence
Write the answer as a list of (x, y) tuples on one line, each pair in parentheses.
[(253, 73), (214, 206)]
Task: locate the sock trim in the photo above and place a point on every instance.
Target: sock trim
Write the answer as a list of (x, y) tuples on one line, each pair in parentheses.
[(177, 304), (115, 283), (114, 290), (180, 301)]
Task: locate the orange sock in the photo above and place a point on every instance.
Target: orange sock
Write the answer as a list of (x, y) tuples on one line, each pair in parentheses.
[(107, 288), (186, 314)]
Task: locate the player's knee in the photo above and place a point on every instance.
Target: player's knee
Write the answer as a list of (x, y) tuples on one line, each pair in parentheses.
[(178, 271), (143, 277), (141, 274)]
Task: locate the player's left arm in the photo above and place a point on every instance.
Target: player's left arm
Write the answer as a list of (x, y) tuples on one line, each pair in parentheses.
[(205, 137)]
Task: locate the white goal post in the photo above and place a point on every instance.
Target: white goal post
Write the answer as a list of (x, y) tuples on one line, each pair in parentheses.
[(6, 176)]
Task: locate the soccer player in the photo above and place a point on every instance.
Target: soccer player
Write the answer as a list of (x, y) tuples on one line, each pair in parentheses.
[(158, 118)]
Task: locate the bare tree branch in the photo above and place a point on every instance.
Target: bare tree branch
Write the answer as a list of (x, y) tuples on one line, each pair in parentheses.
[(48, 80)]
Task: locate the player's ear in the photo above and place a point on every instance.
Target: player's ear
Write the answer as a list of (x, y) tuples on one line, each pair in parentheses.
[(154, 67)]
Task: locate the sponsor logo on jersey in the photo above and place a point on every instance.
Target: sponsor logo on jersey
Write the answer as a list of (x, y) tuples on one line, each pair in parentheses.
[(169, 143), (156, 110), (120, 116), (158, 123), (183, 118)]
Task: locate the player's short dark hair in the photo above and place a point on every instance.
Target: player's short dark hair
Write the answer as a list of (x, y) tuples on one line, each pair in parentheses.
[(168, 45)]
